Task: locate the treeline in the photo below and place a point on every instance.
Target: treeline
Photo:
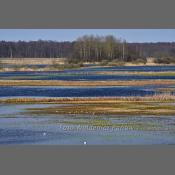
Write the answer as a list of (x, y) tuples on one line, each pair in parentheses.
[(87, 48), (35, 49)]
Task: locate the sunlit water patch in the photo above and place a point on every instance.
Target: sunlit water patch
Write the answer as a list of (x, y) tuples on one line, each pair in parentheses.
[(77, 129)]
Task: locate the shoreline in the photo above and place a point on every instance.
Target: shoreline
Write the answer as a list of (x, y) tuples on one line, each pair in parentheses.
[(23, 68)]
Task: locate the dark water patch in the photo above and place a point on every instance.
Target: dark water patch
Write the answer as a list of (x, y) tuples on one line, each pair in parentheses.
[(73, 91), (79, 77)]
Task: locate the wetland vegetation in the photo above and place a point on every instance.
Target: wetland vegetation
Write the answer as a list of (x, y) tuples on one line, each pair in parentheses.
[(84, 83), (131, 108), (50, 91)]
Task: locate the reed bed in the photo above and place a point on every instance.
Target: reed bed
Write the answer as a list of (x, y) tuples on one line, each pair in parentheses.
[(84, 83), (156, 105), (167, 73), (98, 100)]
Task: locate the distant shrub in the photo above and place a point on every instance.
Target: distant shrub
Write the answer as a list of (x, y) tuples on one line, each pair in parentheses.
[(167, 60), (116, 63), (137, 61), (72, 61), (17, 67), (34, 67), (66, 65), (104, 63)]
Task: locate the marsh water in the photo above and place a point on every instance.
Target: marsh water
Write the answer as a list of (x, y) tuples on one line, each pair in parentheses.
[(90, 74), (86, 74), (17, 126), (62, 91)]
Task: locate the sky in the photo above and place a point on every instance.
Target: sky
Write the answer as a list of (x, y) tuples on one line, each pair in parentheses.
[(130, 35)]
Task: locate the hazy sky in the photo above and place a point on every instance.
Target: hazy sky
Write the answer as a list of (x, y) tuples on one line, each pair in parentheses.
[(131, 35)]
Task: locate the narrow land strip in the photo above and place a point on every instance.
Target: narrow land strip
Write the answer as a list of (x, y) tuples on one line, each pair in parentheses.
[(84, 83)]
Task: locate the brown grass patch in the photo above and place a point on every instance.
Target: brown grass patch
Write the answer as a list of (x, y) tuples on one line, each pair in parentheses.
[(84, 83)]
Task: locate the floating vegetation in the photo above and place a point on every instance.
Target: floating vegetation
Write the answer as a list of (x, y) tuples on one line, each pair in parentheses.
[(150, 105)]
